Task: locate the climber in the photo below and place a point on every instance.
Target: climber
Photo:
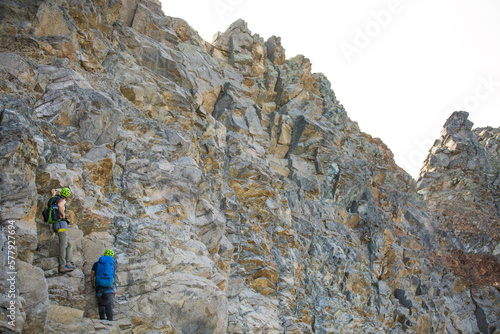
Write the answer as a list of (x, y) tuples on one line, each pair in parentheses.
[(61, 228), (104, 281)]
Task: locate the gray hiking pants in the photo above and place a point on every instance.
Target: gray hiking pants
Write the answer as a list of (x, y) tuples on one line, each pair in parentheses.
[(65, 248)]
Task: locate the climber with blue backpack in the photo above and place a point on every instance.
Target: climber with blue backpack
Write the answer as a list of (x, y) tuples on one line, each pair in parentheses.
[(104, 281), (55, 214)]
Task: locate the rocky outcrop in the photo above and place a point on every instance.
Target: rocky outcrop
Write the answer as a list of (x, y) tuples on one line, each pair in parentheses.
[(460, 181), (236, 192)]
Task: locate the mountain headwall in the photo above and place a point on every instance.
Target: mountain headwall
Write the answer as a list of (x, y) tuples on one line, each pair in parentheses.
[(237, 194)]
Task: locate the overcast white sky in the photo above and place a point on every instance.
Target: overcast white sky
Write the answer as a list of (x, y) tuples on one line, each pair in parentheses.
[(399, 67)]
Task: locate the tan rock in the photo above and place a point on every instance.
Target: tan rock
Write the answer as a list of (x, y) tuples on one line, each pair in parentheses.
[(51, 21), (134, 94), (64, 315), (269, 272), (100, 162), (263, 286)]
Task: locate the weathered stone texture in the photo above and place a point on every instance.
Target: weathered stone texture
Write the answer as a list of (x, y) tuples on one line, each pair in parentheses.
[(236, 192)]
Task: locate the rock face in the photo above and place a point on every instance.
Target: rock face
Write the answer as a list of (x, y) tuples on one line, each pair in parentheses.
[(235, 191)]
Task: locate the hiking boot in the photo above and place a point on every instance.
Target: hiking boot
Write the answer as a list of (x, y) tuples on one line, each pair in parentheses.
[(71, 265), (65, 269)]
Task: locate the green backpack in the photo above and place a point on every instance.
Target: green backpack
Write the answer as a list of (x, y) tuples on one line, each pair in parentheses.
[(51, 214)]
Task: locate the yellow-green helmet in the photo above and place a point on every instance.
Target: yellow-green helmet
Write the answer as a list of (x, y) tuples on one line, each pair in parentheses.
[(65, 192), (109, 252)]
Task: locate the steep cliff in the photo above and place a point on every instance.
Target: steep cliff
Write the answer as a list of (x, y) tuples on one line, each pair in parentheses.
[(230, 182)]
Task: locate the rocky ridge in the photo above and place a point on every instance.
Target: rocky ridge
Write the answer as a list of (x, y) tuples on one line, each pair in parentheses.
[(236, 192)]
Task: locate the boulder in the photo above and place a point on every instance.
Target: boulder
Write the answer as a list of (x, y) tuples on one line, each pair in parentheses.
[(33, 288)]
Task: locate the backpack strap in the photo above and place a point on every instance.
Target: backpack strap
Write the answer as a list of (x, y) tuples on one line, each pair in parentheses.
[(53, 200)]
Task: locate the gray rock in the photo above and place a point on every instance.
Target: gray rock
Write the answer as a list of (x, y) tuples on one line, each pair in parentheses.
[(33, 288)]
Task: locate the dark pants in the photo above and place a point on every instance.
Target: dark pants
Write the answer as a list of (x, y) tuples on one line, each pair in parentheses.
[(105, 306)]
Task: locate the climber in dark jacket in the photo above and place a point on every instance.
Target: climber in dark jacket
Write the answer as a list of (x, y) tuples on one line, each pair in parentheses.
[(104, 281)]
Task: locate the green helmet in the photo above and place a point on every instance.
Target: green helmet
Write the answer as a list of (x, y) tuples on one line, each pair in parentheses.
[(65, 192), (109, 252)]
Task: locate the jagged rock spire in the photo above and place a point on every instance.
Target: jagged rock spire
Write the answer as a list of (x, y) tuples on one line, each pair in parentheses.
[(460, 182)]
